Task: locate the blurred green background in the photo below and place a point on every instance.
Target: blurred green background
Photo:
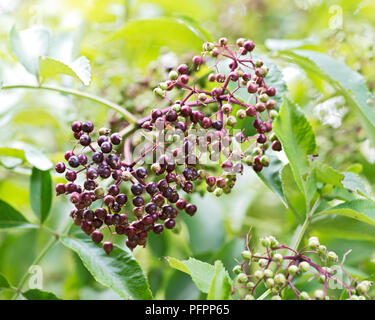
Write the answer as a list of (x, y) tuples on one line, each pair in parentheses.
[(122, 52)]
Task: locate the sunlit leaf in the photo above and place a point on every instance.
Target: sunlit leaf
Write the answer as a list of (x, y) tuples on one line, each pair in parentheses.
[(220, 287), (79, 69), (11, 218), (201, 272), (4, 284), (28, 45), (36, 294), (297, 138), (118, 271), (41, 193)]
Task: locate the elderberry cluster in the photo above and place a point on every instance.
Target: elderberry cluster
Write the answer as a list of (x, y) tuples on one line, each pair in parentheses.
[(152, 202), (279, 267), (194, 140)]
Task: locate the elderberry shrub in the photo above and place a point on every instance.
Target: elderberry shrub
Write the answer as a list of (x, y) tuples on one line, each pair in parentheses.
[(279, 267), (205, 149)]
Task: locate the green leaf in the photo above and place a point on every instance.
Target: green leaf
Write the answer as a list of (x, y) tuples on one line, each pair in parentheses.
[(297, 138), (41, 193), (326, 174), (360, 209), (28, 45), (353, 182), (220, 287), (348, 82), (201, 272), (118, 271), (36, 294), (11, 218), (26, 152), (4, 284), (293, 195), (271, 177), (144, 37), (79, 69)]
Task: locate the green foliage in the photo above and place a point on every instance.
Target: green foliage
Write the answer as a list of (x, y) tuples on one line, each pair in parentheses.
[(220, 287), (11, 218), (41, 193), (118, 271), (36, 294)]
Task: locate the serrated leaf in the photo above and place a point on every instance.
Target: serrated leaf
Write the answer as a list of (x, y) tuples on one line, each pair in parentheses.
[(28, 45), (11, 218), (353, 182), (36, 294), (118, 271), (79, 69), (271, 177), (220, 287), (41, 193), (327, 174), (297, 138), (4, 284), (350, 83), (201, 272), (360, 209)]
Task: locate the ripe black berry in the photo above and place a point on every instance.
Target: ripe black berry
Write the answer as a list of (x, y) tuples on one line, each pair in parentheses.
[(76, 126), (136, 189), (60, 167), (87, 126), (158, 228), (108, 247), (116, 139), (85, 140), (141, 172), (191, 209), (106, 147), (170, 223), (121, 198)]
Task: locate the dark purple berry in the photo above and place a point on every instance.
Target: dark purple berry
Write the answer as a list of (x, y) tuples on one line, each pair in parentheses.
[(169, 223), (151, 208), (108, 247), (68, 154), (261, 138), (60, 167), (87, 126), (73, 161), (76, 126), (82, 159), (102, 139), (70, 176), (101, 213), (181, 204), (138, 201), (121, 198), (136, 189), (113, 190), (85, 140), (60, 188), (158, 228), (116, 139), (191, 209), (218, 125), (141, 172), (106, 147)]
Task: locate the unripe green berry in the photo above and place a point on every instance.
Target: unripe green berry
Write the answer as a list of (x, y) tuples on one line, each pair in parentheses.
[(280, 279), (276, 298), (265, 161), (273, 114), (293, 270), (249, 160), (237, 269), (278, 257), (268, 273), (173, 75), (126, 176), (265, 241), (363, 286), (304, 266), (272, 137), (322, 249), (104, 131), (246, 255), (158, 92), (332, 256), (241, 114), (263, 97), (304, 296), (258, 63), (242, 278), (249, 297), (256, 152), (99, 192), (202, 97), (263, 262), (313, 242), (270, 283), (319, 295), (231, 121), (259, 274), (218, 192), (163, 85)]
